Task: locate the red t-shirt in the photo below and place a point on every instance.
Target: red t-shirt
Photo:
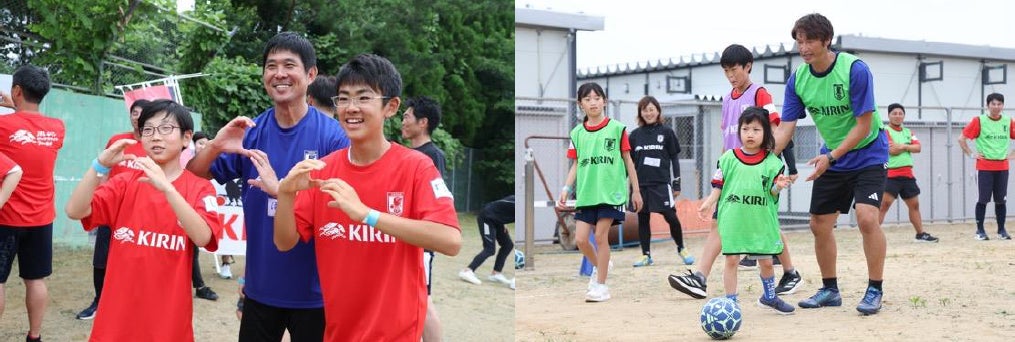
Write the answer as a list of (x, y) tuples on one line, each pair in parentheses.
[(373, 285), (148, 275), (135, 149), (763, 99), (32, 141), (7, 166), (972, 131)]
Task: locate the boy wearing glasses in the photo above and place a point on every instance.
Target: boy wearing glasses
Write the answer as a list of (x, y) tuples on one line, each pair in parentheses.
[(150, 257), (281, 291), (32, 141), (377, 203)]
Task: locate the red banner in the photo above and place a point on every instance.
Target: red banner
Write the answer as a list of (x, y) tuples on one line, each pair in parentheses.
[(147, 93)]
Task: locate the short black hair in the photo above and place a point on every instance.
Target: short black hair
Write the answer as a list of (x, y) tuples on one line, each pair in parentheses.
[(736, 54), (425, 107), (323, 89), (373, 71), (176, 110), (292, 42), (892, 107), (199, 135), (139, 103), (34, 82), (995, 97), (813, 26)]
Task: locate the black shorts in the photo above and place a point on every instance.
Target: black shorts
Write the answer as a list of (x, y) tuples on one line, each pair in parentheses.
[(656, 198), (834, 191), (262, 322), (591, 215), (904, 186), (102, 235), (33, 246), (428, 257)]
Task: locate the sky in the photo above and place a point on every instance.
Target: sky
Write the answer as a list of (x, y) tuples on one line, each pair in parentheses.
[(643, 30)]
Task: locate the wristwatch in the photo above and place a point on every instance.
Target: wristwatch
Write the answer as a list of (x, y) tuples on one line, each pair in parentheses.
[(831, 160)]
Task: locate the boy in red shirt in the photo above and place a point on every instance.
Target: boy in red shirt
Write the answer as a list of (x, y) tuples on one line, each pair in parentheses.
[(370, 263), (32, 141), (154, 211)]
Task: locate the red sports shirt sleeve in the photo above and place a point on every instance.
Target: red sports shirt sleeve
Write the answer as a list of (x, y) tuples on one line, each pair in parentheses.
[(107, 201), (6, 165), (434, 201), (206, 205), (972, 130), (303, 210), (625, 144)]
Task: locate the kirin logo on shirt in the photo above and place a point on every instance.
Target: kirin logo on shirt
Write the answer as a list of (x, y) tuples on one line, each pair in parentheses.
[(124, 234), (396, 203), (333, 230), (23, 136)]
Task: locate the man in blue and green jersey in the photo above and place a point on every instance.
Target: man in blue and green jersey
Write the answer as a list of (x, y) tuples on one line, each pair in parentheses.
[(837, 89), (992, 133)]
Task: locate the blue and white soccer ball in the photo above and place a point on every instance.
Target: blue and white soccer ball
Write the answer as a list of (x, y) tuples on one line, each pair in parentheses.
[(721, 318), (519, 260)]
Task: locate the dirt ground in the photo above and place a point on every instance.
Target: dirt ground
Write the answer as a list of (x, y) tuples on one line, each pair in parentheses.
[(468, 312), (958, 289)]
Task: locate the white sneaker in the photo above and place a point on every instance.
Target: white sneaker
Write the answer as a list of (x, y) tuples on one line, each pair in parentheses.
[(599, 293), (469, 276), (225, 272), (499, 278)]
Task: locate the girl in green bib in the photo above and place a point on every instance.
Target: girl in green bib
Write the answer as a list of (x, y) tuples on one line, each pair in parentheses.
[(600, 173), (746, 186)]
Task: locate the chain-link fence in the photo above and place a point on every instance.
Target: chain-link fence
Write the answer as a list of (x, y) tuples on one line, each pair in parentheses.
[(144, 50), (946, 177)]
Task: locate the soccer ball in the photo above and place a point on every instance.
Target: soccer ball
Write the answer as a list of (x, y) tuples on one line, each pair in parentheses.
[(519, 260), (720, 318)]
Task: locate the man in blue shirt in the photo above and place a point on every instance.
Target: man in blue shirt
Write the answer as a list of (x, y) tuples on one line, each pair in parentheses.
[(281, 290)]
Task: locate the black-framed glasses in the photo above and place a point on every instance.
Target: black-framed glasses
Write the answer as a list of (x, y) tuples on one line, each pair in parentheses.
[(147, 131), (345, 101)]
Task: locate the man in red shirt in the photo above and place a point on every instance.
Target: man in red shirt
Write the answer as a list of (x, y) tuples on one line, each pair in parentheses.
[(32, 141), (337, 206)]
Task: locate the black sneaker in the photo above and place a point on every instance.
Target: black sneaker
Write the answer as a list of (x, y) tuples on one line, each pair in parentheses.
[(789, 283), (28, 338), (690, 284), (89, 312), (982, 236), (207, 293), (1003, 235), (748, 264), (925, 237)]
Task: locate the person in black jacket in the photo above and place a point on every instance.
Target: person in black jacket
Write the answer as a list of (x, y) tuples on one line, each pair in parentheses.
[(491, 221), (655, 150)]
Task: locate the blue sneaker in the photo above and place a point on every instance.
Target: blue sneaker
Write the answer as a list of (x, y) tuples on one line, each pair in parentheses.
[(686, 257), (871, 302), (824, 297), (645, 260), (777, 304), (982, 236)]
